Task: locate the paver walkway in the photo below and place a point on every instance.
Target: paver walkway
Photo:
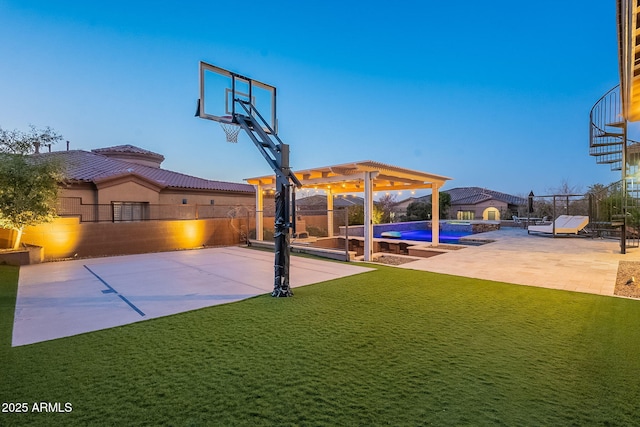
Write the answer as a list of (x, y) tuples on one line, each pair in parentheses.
[(571, 263)]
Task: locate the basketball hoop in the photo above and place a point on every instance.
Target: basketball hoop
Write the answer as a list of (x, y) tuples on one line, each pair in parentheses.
[(230, 129)]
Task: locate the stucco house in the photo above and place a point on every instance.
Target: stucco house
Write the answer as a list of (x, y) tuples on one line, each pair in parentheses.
[(481, 203), (119, 200), (126, 182), (469, 203)]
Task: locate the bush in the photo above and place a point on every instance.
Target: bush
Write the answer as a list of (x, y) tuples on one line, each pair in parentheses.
[(317, 231)]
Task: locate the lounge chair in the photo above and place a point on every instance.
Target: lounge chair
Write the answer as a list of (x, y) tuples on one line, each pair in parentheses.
[(564, 224), (518, 221)]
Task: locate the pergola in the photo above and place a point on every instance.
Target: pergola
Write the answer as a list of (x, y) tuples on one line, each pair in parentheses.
[(358, 177)]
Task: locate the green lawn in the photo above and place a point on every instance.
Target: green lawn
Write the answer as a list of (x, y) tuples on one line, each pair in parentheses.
[(389, 347)]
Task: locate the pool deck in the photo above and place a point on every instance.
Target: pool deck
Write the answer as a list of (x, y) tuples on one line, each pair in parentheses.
[(572, 263)]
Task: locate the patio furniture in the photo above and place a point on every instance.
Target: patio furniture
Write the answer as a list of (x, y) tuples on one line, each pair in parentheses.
[(544, 221), (564, 224), (384, 247)]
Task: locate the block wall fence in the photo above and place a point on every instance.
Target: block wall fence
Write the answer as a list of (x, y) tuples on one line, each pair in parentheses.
[(68, 238)]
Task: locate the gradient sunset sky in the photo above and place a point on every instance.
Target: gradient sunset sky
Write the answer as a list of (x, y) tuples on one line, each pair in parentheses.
[(493, 94)]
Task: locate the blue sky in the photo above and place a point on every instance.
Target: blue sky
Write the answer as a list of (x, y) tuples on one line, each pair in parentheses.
[(493, 94)]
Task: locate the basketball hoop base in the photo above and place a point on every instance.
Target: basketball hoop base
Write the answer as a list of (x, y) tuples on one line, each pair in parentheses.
[(282, 293)]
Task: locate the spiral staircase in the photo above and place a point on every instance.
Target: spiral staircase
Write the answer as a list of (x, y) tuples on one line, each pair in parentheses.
[(609, 144)]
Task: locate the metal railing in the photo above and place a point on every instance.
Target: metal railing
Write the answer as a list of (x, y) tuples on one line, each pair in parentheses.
[(142, 211), (615, 212), (606, 129)]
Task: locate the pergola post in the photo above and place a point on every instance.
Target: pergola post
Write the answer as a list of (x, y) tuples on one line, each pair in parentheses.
[(368, 214), (329, 213), (259, 213), (435, 215)]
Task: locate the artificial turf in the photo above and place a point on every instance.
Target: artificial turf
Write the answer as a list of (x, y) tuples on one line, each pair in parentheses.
[(388, 347)]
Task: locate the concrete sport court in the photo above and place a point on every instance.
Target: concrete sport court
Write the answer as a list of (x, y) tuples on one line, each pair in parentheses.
[(61, 299)]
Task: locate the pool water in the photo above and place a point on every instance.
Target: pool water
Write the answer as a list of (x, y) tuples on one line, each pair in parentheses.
[(425, 235)]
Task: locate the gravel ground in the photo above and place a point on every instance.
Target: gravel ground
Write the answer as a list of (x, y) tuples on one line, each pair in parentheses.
[(626, 271), (393, 260)]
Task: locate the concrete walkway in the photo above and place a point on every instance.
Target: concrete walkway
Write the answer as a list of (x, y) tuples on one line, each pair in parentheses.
[(61, 299), (571, 263)]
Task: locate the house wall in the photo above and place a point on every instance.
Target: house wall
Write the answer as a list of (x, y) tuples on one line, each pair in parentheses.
[(68, 238), (132, 191), (86, 192), (478, 209), (204, 198), (128, 192)]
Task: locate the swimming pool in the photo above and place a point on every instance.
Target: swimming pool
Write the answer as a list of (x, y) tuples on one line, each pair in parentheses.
[(425, 235)]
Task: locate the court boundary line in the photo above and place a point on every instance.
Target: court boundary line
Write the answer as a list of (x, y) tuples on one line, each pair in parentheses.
[(111, 290)]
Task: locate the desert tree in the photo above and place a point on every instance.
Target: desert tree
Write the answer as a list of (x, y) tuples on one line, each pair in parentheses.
[(356, 215), (420, 210), (28, 183), (387, 205), (19, 142)]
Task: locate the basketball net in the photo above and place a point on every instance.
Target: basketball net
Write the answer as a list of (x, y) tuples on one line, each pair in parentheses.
[(231, 130)]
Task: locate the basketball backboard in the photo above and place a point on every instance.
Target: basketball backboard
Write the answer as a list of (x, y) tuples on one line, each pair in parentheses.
[(221, 89)]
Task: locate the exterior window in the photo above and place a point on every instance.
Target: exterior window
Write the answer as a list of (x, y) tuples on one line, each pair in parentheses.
[(184, 201), (211, 202), (466, 215), (130, 211)]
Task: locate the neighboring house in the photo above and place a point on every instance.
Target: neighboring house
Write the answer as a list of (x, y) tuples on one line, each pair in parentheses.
[(125, 182), (481, 203), (402, 205), (319, 202), (312, 214), (476, 203)]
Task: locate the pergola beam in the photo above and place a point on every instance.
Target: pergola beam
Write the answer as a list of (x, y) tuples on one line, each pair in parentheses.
[(355, 187)]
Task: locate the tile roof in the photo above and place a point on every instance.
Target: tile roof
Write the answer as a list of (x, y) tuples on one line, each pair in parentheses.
[(91, 166), (473, 195), (127, 148)]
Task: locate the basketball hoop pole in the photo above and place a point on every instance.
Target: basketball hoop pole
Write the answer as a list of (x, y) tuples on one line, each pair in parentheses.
[(281, 286), (277, 155)]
